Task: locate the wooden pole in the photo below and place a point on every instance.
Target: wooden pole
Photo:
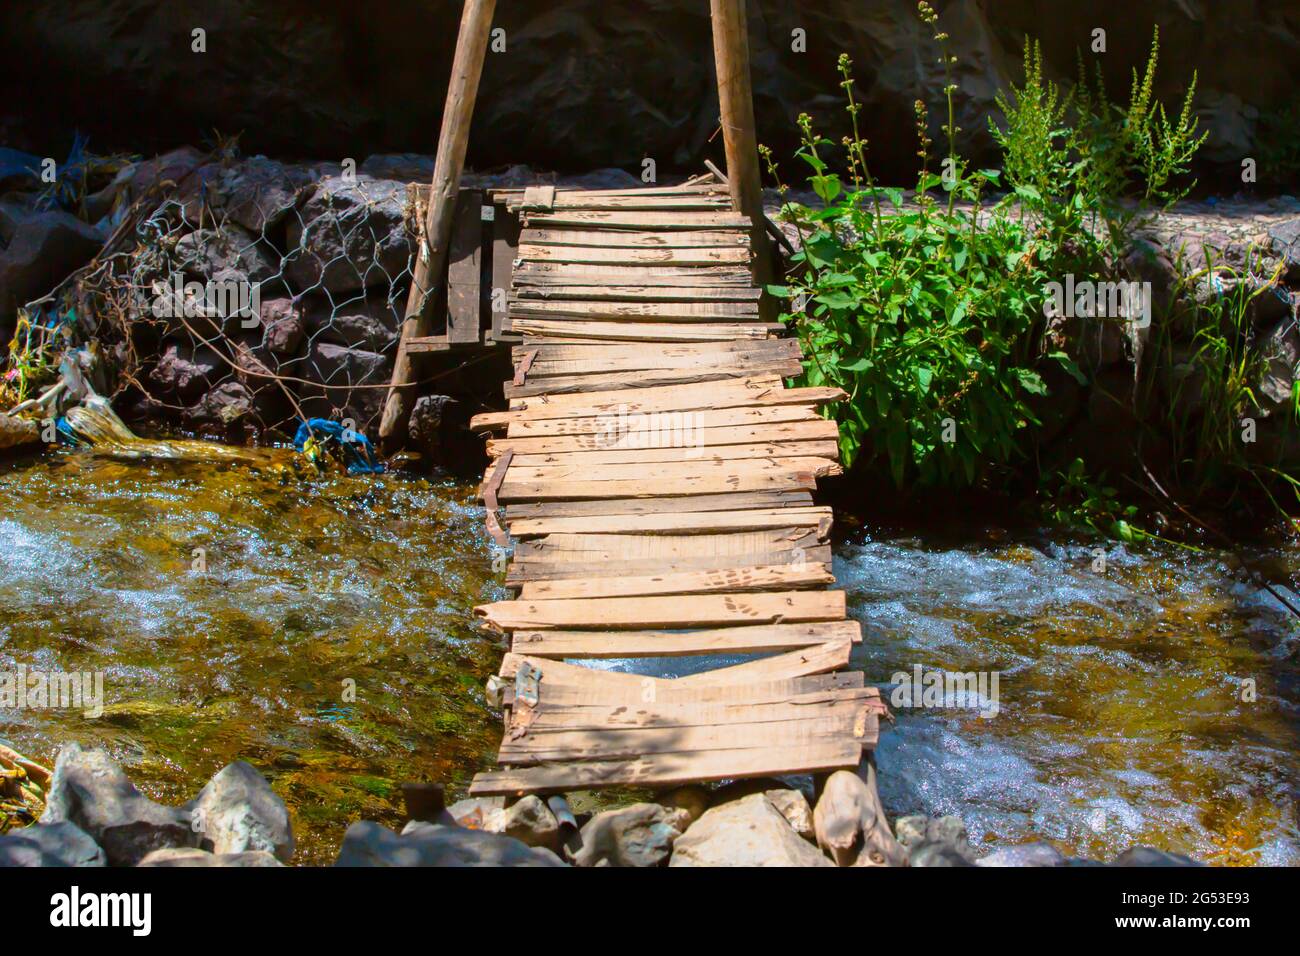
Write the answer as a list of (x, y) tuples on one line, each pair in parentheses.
[(736, 104), (471, 48)]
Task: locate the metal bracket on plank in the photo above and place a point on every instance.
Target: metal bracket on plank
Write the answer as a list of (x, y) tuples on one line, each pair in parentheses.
[(490, 489), (528, 684)]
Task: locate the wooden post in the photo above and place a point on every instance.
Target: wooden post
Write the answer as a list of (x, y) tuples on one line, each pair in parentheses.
[(471, 48), (736, 104)]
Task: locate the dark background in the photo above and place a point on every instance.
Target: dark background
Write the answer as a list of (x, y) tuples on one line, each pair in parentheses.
[(589, 83)]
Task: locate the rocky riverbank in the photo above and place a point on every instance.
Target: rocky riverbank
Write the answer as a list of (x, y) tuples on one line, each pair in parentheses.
[(95, 816)]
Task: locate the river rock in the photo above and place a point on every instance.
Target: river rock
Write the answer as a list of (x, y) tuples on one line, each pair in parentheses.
[(349, 234), (231, 253), (50, 844), (89, 789), (237, 811), (1030, 854), (258, 193), (430, 844), (639, 835), (18, 431), (337, 365), (40, 251), (1150, 856), (850, 824), (283, 326), (221, 406), (950, 831), (1284, 237), (529, 820), (427, 415), (793, 805), (185, 372), (936, 854), (745, 832), (191, 857), (1280, 352), (910, 831), (692, 798), (371, 322)]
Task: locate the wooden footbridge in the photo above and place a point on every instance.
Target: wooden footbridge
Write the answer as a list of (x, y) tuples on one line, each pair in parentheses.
[(656, 475)]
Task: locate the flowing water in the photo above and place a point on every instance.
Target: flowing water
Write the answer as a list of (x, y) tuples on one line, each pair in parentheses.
[(1120, 713)]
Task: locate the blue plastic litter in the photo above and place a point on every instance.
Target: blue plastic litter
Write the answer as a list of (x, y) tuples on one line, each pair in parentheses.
[(357, 450)]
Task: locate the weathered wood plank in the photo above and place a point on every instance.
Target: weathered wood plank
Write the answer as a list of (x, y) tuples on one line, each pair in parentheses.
[(685, 522), (464, 267), (663, 427), (816, 430), (692, 452), (566, 546), (644, 331), (551, 490), (737, 501), (650, 378), (617, 239), (505, 240), (663, 770), (636, 220), (621, 310), (753, 639), (635, 256), (778, 577), (522, 571)]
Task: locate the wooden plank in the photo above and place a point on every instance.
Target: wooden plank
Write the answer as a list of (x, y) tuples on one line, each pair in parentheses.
[(522, 571), (542, 275), (761, 384), (776, 577), (721, 502), (560, 713), (635, 256), (650, 378), (570, 546), (644, 293), (693, 452), (538, 197), (610, 311), (702, 356), (463, 270), (505, 240), (594, 351), (814, 659), (753, 639), (620, 239), (662, 427), (636, 220), (816, 430), (427, 343), (684, 522), (644, 331), (551, 490), (663, 770), (703, 468)]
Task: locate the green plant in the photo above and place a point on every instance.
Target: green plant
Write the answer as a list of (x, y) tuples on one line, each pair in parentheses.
[(1071, 499)]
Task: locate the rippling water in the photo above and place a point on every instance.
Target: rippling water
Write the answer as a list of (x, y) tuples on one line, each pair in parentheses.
[(309, 583), (1120, 716)]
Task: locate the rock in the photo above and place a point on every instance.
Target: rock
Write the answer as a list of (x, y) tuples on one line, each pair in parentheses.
[(184, 372), (1030, 854), (194, 857), (372, 322), (1147, 261), (427, 418), (1280, 351), (529, 820), (639, 835), (691, 798), (936, 854), (337, 365), (90, 790), (431, 844), (237, 811), (42, 250), (745, 832), (283, 327), (400, 167), (850, 822), (222, 406), (1284, 238), (257, 193), (230, 252), (910, 831), (1150, 856), (793, 805), (18, 431), (477, 813), (349, 235), (50, 844), (950, 831)]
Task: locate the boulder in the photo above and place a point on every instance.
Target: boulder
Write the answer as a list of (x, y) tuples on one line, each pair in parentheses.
[(936, 854), (850, 822), (431, 844), (185, 372), (371, 322), (1280, 351), (425, 426), (793, 805), (745, 832), (1150, 856), (338, 366), (1030, 854), (283, 327), (194, 857), (910, 831), (639, 835), (222, 406), (350, 234), (237, 811), (18, 431), (950, 831), (692, 798), (43, 248), (1284, 237), (258, 193), (230, 252), (50, 844), (90, 790), (529, 820)]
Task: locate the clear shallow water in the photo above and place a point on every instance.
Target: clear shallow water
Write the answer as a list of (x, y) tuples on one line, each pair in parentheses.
[(1120, 718), (309, 583)]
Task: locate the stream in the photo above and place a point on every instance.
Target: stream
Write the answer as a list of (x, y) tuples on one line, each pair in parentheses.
[(321, 630)]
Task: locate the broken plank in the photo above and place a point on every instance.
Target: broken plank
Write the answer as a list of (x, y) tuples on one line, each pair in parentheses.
[(663, 770), (752, 639)]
